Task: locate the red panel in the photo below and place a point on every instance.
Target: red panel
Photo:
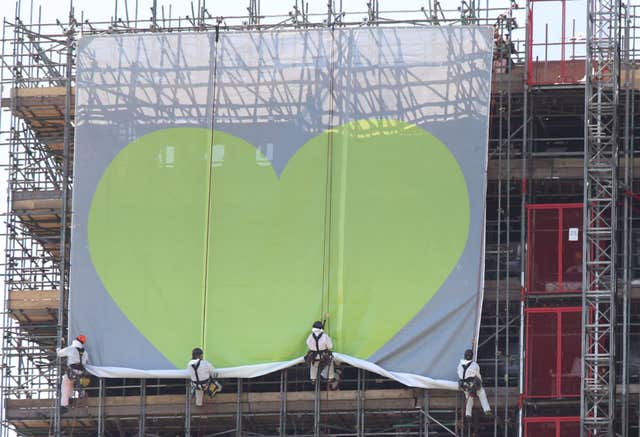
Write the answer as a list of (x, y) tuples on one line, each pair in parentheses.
[(551, 426), (542, 354), (543, 265), (570, 429), (553, 349), (540, 429), (570, 353), (571, 249), (554, 249)]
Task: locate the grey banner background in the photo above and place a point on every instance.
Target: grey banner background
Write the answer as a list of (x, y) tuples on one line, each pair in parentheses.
[(270, 89)]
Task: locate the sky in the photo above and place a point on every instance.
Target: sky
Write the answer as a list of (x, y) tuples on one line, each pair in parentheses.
[(105, 9)]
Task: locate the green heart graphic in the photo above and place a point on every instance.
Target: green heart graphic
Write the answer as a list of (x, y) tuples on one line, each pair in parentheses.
[(201, 244)]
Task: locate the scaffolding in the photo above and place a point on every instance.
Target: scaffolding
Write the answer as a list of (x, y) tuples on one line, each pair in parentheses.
[(600, 213), (540, 151)]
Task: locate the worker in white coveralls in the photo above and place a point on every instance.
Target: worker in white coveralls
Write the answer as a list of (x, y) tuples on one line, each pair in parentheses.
[(470, 381), (319, 355), (202, 374), (77, 358)]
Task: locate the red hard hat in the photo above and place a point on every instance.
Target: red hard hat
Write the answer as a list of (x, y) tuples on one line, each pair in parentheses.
[(81, 338)]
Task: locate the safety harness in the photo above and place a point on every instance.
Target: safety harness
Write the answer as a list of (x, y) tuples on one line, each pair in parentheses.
[(324, 356), (210, 387), (76, 369), (77, 372), (472, 383)]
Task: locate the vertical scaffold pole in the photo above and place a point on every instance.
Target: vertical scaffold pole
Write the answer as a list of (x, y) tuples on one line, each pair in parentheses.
[(101, 407), (523, 223), (254, 12), (143, 408), (627, 218), (239, 409), (425, 407), (316, 408), (187, 409), (360, 404), (283, 403), (63, 225)]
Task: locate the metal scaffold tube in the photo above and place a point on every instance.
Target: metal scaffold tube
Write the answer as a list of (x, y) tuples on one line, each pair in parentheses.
[(66, 186), (142, 416), (282, 421), (626, 221), (187, 409), (523, 237), (101, 426), (239, 408)]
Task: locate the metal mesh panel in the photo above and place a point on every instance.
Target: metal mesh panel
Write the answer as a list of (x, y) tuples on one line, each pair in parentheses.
[(540, 429), (554, 263), (570, 429), (572, 249), (570, 350), (542, 350), (543, 243), (552, 426), (553, 352)]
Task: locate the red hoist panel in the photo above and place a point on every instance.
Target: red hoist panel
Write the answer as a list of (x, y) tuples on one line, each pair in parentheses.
[(553, 351), (554, 248), (551, 426)]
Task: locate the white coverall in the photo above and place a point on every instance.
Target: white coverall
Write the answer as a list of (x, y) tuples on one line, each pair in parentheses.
[(473, 371), (72, 355), (205, 371), (324, 344)]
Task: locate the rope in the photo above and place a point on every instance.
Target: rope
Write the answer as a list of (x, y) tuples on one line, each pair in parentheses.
[(209, 197), (326, 264)]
